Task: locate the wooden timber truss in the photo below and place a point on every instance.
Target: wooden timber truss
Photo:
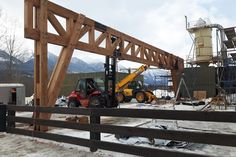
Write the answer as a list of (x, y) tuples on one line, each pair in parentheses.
[(101, 40)]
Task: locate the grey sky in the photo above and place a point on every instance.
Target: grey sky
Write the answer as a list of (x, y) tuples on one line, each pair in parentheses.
[(157, 22)]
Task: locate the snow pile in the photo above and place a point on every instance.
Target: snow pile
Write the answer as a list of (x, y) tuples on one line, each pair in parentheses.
[(163, 93), (29, 100), (61, 101)]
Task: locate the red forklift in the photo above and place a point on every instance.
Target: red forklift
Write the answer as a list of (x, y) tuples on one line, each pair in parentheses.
[(88, 94)]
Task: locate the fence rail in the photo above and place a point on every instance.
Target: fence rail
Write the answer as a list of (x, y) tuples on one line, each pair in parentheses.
[(212, 116), (95, 128)]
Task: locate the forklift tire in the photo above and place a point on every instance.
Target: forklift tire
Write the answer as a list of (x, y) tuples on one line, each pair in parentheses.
[(73, 103), (120, 97), (128, 99), (140, 97), (149, 97), (95, 102)]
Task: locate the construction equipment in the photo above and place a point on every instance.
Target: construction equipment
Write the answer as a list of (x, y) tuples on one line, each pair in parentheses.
[(127, 88), (88, 94)]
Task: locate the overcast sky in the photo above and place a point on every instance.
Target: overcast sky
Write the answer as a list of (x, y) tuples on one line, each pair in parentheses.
[(160, 23)]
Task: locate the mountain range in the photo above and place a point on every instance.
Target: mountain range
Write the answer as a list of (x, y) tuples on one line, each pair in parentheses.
[(151, 76)]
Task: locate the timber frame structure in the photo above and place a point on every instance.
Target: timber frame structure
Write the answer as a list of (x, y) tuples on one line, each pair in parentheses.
[(38, 13)]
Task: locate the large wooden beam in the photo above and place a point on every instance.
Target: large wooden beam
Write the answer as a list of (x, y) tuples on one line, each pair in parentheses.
[(42, 59)]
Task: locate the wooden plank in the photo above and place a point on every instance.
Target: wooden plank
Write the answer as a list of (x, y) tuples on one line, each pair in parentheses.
[(174, 75), (91, 36), (58, 110), (108, 41), (135, 150), (28, 15), (132, 50), (94, 49), (142, 53), (188, 136), (35, 3), (137, 51), (69, 26), (51, 136), (53, 39), (213, 116), (3, 119), (147, 54), (61, 11), (56, 24), (43, 59), (31, 33), (83, 31), (56, 9), (99, 40), (115, 44), (126, 49), (36, 64), (42, 49)]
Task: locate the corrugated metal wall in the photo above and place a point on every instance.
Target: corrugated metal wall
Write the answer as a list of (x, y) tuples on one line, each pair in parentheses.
[(200, 79)]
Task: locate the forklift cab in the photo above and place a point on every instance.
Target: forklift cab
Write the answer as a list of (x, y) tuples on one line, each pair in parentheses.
[(86, 86), (85, 89), (135, 85)]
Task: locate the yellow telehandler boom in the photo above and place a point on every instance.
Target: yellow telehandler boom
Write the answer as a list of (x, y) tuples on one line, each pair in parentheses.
[(125, 94), (128, 79)]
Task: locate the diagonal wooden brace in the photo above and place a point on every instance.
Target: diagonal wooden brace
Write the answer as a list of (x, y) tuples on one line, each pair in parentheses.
[(63, 61)]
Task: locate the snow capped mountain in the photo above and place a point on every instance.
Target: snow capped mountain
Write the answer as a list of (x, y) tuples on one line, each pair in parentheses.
[(4, 60), (151, 76), (4, 56), (76, 65)]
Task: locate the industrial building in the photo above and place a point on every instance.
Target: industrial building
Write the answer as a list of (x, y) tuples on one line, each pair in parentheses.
[(210, 66)]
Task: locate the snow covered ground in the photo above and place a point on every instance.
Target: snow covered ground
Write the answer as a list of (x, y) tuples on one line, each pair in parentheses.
[(16, 145)]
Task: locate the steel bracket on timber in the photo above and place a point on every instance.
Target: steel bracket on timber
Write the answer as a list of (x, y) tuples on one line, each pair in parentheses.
[(38, 13)]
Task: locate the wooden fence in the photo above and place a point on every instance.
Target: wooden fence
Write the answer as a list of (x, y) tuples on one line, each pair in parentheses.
[(8, 119)]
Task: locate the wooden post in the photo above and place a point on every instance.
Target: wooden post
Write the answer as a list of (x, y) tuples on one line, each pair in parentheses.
[(94, 135), (11, 113), (36, 67), (41, 62), (3, 112)]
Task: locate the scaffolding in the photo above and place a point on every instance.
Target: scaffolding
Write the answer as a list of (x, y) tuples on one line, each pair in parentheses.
[(228, 70)]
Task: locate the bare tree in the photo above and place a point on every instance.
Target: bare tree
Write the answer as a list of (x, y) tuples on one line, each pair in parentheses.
[(13, 46), (1, 28)]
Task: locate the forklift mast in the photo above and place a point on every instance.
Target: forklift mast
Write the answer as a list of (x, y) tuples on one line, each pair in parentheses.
[(110, 75)]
